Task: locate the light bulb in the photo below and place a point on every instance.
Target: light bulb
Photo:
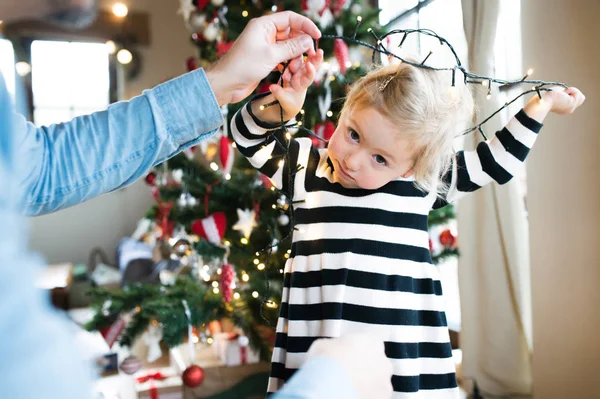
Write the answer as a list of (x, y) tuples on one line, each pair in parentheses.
[(214, 166), (124, 56), (22, 68), (215, 284), (245, 277), (111, 47), (255, 294), (244, 240), (216, 290), (236, 295), (244, 13), (261, 266), (120, 10)]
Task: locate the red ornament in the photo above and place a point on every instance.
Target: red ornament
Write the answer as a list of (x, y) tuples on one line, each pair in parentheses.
[(191, 63), (193, 376), (447, 239), (324, 130), (112, 332), (227, 282), (337, 6), (200, 4), (211, 228), (223, 47), (342, 54), (151, 179), (315, 6), (226, 155)]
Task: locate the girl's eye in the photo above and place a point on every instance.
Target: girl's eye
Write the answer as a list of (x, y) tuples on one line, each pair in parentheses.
[(354, 136), (379, 159)]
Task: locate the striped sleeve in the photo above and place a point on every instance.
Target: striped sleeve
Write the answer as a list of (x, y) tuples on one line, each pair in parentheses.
[(264, 145), (498, 159)]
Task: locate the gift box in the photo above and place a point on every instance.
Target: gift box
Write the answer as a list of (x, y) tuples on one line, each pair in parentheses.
[(234, 349), (218, 377), (159, 383)]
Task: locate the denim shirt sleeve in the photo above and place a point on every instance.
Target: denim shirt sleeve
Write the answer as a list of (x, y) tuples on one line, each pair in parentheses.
[(64, 164), (38, 356), (309, 383)]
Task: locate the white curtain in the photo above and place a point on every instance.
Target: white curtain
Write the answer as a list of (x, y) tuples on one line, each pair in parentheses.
[(494, 271)]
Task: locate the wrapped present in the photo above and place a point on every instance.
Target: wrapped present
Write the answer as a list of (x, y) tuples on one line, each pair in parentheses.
[(234, 349), (159, 383), (220, 379)]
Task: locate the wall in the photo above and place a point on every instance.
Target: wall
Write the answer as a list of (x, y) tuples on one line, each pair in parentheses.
[(560, 42), (69, 235)]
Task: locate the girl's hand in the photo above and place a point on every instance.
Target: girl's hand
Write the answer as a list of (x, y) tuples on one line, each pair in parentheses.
[(563, 101), (298, 76)]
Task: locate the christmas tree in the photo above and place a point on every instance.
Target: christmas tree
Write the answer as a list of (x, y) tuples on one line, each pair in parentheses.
[(225, 224)]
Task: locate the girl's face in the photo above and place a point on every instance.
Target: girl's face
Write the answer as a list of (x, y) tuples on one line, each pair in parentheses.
[(368, 152)]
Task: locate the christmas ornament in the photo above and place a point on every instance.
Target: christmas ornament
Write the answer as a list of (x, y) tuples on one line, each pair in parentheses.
[(191, 64), (274, 246), (315, 8), (283, 220), (356, 9), (223, 47), (193, 376), (130, 365), (324, 130), (448, 239), (218, 3), (182, 200), (200, 4), (226, 155), (337, 6), (191, 200), (167, 277), (112, 332), (211, 32), (182, 247), (186, 7), (150, 179), (211, 228), (196, 22), (246, 222), (227, 282), (152, 338), (177, 175), (342, 54)]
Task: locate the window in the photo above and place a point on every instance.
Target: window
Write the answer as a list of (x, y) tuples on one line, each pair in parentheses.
[(7, 65), (68, 79), (443, 17)]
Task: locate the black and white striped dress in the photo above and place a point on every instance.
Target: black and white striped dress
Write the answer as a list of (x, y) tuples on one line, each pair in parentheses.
[(360, 259)]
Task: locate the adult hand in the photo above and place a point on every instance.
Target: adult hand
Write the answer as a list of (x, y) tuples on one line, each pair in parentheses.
[(363, 358), (265, 42)]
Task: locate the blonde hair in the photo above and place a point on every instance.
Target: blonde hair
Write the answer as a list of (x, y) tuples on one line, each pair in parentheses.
[(426, 109)]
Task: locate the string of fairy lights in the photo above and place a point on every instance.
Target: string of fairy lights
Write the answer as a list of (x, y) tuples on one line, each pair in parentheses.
[(538, 87)]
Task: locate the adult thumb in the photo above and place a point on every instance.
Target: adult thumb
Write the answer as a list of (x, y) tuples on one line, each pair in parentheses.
[(292, 48)]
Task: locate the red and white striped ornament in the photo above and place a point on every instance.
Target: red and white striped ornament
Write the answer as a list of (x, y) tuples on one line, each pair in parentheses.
[(130, 365), (112, 332), (342, 54), (226, 155), (227, 282), (211, 228)]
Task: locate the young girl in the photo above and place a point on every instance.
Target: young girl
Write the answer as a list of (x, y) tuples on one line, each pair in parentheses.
[(360, 258)]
